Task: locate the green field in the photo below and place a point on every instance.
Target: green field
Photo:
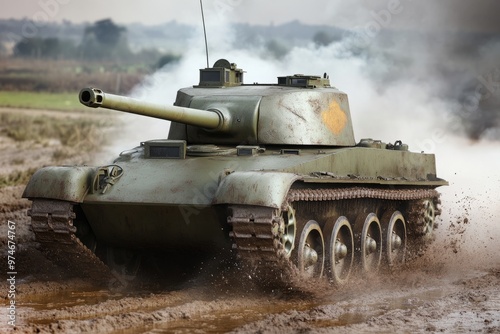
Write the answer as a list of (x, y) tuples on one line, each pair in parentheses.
[(40, 100)]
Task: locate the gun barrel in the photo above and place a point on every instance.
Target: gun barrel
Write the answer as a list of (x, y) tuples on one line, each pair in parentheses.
[(94, 98)]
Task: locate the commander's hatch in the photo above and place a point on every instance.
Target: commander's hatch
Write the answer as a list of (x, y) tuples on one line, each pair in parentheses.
[(222, 74)]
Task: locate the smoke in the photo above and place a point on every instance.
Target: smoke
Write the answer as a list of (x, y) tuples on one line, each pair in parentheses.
[(428, 75)]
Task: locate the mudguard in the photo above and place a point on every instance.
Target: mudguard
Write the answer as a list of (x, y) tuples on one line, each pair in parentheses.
[(255, 188), (62, 183)]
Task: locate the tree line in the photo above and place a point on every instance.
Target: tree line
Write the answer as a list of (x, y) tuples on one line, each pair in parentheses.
[(103, 40)]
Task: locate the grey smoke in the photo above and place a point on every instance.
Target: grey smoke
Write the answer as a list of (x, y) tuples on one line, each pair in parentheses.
[(451, 46)]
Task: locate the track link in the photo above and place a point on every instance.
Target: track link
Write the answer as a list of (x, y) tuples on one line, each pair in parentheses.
[(257, 231), (52, 223)]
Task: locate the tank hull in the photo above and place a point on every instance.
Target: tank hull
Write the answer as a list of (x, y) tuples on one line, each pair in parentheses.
[(140, 226), (154, 205)]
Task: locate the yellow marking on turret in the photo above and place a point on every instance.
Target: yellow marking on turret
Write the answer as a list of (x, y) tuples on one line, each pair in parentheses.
[(334, 118)]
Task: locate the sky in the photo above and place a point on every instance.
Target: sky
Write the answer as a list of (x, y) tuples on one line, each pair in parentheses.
[(478, 15)]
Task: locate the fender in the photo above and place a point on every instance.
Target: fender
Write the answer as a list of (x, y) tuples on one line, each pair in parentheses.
[(255, 188), (61, 183)]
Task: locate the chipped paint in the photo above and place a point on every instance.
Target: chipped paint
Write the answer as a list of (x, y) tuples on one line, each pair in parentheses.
[(334, 118)]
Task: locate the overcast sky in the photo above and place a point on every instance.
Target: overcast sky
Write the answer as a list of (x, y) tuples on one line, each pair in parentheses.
[(468, 15)]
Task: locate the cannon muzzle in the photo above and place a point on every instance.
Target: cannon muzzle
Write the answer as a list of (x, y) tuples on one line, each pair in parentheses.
[(209, 119)]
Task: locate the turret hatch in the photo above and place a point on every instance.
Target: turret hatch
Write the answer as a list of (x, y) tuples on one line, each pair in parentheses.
[(222, 74), (306, 81)]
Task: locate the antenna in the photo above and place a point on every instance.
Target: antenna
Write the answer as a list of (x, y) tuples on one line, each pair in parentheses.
[(204, 31)]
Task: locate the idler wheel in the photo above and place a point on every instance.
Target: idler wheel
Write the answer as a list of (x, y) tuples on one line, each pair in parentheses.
[(339, 244), (311, 251), (394, 238), (370, 243)]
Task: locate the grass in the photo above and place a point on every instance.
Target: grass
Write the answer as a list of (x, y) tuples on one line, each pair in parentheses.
[(39, 100), (16, 178), (76, 135), (55, 76), (83, 133)]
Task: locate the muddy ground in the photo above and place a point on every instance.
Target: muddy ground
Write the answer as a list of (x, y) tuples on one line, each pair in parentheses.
[(453, 288)]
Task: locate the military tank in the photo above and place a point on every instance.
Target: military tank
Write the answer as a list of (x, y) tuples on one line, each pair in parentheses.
[(271, 172)]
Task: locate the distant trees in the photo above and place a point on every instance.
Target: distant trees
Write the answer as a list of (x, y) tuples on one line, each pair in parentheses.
[(48, 48), (28, 47), (102, 40), (105, 40), (106, 32)]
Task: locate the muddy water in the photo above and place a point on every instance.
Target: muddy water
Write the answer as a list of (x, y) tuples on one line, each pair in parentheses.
[(433, 302), (228, 320), (67, 299)]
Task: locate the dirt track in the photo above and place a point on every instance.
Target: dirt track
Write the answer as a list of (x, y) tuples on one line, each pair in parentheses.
[(454, 287)]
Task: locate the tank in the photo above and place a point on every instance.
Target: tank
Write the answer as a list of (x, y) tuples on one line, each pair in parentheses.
[(269, 172)]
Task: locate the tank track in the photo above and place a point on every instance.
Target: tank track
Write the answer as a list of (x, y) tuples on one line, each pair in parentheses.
[(52, 223), (256, 230)]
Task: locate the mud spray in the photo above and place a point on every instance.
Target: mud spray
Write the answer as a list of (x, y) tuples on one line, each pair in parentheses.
[(434, 85)]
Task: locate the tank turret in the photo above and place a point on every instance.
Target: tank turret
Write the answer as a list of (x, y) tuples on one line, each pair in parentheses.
[(296, 110)]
